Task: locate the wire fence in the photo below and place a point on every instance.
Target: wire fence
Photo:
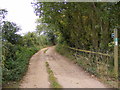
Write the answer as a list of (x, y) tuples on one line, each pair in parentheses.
[(97, 63)]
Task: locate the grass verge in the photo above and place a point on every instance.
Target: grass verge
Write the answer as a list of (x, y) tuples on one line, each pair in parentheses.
[(53, 80)]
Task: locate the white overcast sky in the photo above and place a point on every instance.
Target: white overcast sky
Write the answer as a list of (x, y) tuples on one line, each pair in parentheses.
[(21, 12)]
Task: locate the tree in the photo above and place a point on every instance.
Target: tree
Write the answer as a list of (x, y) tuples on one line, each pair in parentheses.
[(3, 13), (9, 30), (30, 39), (46, 31), (86, 26)]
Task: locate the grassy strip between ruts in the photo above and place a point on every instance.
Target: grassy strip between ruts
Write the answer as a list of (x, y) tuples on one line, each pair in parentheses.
[(53, 80)]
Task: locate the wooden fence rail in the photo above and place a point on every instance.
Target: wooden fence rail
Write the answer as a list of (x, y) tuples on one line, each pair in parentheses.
[(90, 52)]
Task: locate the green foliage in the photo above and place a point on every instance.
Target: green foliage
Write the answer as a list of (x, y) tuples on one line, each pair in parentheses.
[(16, 56), (30, 39), (46, 32), (87, 25), (64, 51), (15, 68), (16, 51), (9, 30)]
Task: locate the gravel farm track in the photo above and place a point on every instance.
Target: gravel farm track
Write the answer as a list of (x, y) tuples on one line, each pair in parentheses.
[(68, 74)]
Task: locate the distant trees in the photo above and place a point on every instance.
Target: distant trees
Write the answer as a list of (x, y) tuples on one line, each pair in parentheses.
[(30, 39), (47, 32)]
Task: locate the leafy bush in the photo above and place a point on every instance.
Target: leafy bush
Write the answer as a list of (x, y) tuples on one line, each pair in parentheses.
[(14, 69), (16, 51), (61, 48)]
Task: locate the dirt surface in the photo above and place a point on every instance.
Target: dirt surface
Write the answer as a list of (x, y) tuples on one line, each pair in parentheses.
[(68, 74), (37, 76)]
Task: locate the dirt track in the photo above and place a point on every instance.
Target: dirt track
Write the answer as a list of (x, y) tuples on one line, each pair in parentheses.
[(68, 74)]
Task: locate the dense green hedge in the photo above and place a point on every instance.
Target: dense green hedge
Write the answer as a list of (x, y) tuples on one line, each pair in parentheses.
[(15, 68)]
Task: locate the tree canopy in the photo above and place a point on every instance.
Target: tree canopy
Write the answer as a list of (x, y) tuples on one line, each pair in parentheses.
[(81, 25)]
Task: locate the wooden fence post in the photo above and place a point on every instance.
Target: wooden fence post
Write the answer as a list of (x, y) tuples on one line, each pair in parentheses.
[(116, 54)]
